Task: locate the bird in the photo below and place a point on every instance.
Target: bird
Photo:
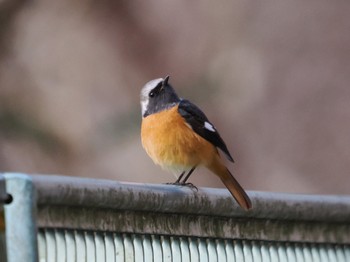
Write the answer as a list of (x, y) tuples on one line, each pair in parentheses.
[(178, 137)]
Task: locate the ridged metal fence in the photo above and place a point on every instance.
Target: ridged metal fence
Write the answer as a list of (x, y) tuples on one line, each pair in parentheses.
[(76, 245), (56, 218)]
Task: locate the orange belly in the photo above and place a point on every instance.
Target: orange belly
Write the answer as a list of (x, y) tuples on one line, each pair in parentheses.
[(172, 144)]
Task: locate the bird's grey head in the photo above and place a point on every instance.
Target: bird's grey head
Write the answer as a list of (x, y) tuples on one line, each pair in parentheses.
[(157, 95)]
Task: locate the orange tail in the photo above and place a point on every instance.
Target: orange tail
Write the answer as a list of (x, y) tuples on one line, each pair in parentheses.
[(236, 190), (232, 185)]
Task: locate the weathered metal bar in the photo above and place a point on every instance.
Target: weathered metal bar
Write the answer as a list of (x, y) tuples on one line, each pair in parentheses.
[(84, 192)]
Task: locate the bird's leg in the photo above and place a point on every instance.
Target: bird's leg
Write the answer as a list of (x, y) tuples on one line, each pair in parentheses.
[(188, 175), (177, 182), (184, 183)]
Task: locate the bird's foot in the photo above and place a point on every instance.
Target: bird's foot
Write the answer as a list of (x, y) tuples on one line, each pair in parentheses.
[(173, 183), (190, 185)]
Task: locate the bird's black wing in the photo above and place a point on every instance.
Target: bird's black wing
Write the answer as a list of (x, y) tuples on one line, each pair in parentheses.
[(202, 126)]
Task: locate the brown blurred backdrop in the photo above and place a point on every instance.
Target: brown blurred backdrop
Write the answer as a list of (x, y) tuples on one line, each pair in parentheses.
[(272, 76)]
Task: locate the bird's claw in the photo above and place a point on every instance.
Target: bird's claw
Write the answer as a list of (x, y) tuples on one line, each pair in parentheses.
[(190, 185)]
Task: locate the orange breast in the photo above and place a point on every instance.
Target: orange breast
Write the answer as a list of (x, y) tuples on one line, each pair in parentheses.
[(172, 144)]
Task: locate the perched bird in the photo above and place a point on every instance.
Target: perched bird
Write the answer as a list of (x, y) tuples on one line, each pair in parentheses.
[(178, 136)]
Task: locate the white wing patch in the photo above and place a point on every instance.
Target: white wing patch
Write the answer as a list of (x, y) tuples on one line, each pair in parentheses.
[(209, 127)]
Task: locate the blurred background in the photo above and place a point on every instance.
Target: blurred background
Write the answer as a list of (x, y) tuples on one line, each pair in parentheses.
[(272, 76)]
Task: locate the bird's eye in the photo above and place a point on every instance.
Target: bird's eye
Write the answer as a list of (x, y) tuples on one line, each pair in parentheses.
[(151, 94)]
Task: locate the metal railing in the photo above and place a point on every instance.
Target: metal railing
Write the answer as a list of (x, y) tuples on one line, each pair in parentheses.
[(56, 218)]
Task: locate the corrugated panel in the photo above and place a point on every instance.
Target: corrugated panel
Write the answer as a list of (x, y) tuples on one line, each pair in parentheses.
[(73, 245)]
